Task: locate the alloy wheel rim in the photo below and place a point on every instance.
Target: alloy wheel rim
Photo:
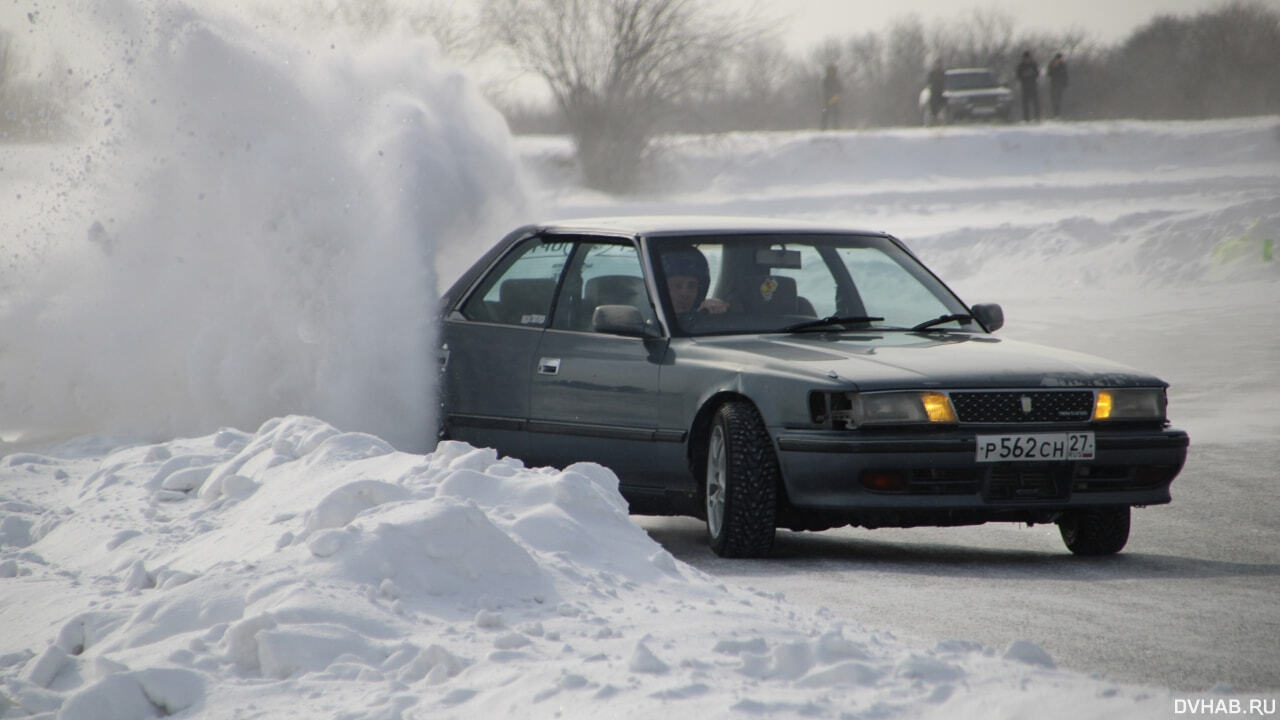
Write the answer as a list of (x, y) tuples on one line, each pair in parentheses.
[(716, 470)]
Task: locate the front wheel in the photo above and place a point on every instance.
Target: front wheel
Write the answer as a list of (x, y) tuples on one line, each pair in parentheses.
[(741, 485), (1103, 531)]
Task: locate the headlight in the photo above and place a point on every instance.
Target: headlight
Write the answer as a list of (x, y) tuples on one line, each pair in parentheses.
[(899, 407), (1130, 404)]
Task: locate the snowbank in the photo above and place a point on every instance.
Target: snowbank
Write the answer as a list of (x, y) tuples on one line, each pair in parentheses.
[(304, 572)]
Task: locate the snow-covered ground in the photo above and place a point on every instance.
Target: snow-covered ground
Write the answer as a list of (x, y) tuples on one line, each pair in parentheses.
[(249, 236), (299, 571)]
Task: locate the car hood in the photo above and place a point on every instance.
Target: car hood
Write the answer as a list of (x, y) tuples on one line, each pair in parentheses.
[(898, 360)]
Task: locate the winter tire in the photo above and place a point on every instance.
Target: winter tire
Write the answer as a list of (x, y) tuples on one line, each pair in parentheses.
[(741, 484), (1103, 531)]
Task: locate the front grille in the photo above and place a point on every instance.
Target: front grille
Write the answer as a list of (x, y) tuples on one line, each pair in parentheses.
[(1034, 406)]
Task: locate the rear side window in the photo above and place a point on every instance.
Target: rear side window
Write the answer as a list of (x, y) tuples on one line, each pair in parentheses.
[(519, 290)]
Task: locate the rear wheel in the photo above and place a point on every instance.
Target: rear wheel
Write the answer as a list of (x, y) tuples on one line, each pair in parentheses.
[(1103, 531), (741, 485)]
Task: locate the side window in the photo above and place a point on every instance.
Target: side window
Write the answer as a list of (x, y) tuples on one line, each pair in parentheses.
[(519, 290), (601, 273)]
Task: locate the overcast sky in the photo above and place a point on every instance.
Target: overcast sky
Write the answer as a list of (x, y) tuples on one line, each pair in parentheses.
[(811, 21)]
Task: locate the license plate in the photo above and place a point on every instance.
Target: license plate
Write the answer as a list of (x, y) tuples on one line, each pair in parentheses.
[(1035, 447)]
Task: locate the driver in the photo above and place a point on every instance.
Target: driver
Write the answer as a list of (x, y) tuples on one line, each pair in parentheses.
[(688, 279)]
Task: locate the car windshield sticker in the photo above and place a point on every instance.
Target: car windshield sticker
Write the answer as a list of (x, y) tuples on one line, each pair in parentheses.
[(533, 319), (768, 288)]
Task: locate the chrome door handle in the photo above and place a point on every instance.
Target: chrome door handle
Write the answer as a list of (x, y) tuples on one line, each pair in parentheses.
[(549, 366)]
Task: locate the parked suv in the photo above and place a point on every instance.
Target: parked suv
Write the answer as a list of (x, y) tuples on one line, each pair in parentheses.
[(970, 94)]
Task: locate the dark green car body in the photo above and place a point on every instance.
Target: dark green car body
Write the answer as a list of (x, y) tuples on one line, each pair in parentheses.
[(545, 367)]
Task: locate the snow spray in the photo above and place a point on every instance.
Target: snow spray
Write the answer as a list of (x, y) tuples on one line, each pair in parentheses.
[(249, 224)]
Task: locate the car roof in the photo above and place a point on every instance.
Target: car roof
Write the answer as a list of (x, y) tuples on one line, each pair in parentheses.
[(660, 225)]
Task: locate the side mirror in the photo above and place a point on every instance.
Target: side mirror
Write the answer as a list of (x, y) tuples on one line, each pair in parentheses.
[(621, 320), (990, 315)]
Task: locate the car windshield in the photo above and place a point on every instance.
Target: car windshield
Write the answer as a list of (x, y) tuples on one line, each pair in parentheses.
[(798, 284), (970, 80)]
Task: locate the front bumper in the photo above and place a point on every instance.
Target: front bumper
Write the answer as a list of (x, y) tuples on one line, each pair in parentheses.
[(940, 481), (982, 107)]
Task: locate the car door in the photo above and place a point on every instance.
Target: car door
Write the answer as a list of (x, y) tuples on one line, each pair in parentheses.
[(595, 394), (489, 345)]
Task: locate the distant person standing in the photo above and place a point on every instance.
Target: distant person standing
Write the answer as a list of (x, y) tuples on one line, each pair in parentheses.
[(831, 89), (1028, 74), (937, 84), (1057, 73)]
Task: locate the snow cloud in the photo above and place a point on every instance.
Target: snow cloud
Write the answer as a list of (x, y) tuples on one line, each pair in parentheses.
[(253, 225)]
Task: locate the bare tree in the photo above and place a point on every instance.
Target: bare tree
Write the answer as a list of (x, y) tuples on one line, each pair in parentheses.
[(987, 39), (755, 91), (1218, 63), (1213, 64), (764, 80), (452, 27), (614, 67), (6, 41), (907, 56), (864, 70)]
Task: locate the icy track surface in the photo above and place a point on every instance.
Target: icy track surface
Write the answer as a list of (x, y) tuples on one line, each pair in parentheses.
[(302, 572)]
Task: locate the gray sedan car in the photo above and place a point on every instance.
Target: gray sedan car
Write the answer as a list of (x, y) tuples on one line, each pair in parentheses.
[(764, 374)]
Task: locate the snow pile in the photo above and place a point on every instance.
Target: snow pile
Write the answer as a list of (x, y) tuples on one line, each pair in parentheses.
[(303, 572), (252, 225)]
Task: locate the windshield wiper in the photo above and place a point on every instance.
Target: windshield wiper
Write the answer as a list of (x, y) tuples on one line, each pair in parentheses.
[(830, 320), (940, 320)]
